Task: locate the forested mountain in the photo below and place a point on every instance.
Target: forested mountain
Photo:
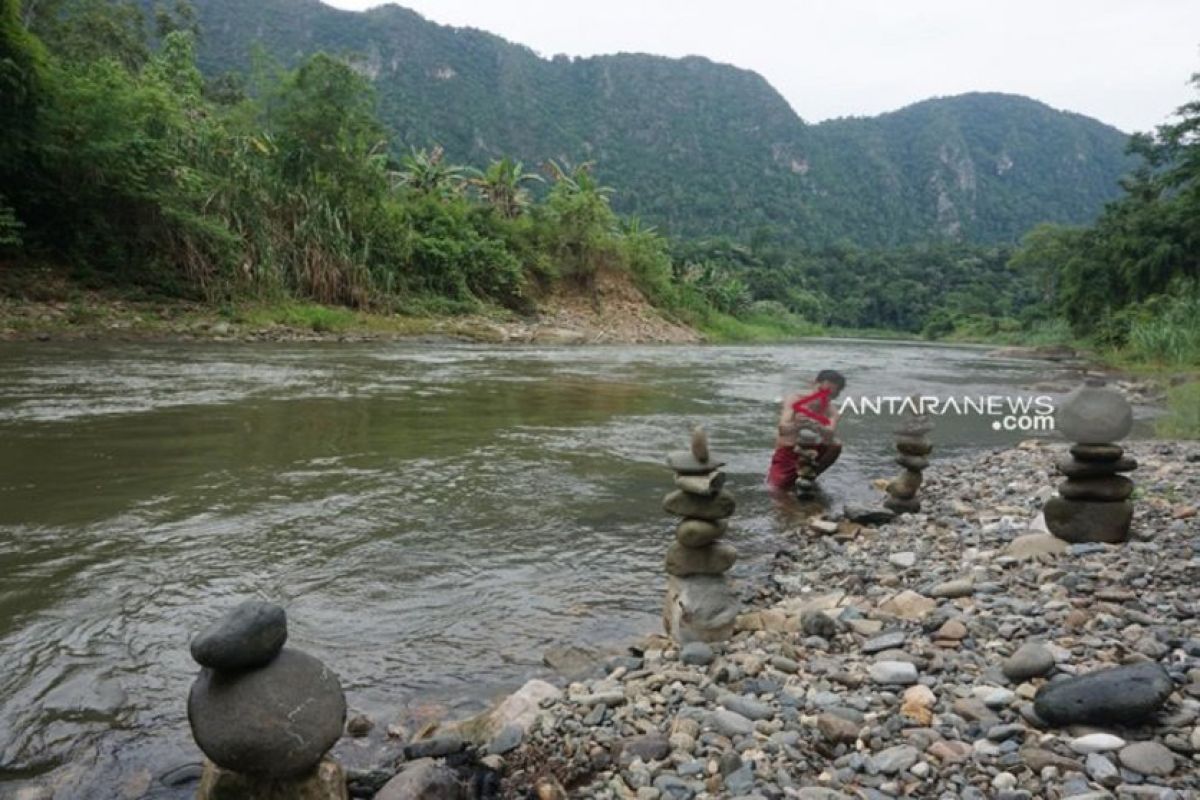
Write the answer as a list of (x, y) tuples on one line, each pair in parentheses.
[(696, 147)]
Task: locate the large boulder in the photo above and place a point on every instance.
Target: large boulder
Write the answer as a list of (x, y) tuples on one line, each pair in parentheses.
[(1078, 521), (276, 721), (1117, 696), (249, 636), (702, 608), (1094, 414)]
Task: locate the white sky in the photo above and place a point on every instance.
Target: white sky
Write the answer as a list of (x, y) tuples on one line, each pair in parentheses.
[(1125, 62)]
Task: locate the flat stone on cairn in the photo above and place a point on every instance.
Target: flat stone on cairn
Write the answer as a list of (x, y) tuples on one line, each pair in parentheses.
[(700, 603), (263, 714), (912, 442), (1093, 503)]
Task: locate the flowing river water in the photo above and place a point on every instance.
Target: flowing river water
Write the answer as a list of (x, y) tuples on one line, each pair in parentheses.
[(433, 517)]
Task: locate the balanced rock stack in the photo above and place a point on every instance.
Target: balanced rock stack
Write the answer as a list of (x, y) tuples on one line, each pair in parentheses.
[(807, 441), (264, 715), (1093, 503), (701, 604), (912, 441)]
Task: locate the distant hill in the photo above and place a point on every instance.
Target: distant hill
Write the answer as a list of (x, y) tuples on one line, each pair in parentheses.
[(696, 147)]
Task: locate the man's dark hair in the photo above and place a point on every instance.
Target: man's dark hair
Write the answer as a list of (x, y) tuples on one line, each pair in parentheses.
[(832, 376)]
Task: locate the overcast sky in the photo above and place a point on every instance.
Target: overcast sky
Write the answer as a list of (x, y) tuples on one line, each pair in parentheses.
[(1125, 62)]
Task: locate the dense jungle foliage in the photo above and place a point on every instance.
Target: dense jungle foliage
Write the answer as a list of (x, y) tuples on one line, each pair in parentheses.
[(698, 148), (125, 161)]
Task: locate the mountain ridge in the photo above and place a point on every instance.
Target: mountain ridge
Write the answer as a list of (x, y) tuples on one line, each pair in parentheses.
[(699, 147)]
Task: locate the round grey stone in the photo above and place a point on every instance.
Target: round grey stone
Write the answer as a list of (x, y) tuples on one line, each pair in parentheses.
[(1031, 660), (1094, 415), (1148, 758), (276, 721)]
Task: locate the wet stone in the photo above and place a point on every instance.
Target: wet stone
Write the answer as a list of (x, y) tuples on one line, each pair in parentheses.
[(250, 635), (682, 504), (275, 721)]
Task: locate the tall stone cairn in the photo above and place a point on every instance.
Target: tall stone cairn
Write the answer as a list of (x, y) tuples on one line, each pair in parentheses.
[(264, 715), (1093, 503), (701, 604), (912, 442)]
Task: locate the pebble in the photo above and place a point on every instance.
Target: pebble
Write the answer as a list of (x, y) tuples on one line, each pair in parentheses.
[(1031, 660), (1147, 758), (698, 654), (895, 759), (1096, 743), (900, 673)]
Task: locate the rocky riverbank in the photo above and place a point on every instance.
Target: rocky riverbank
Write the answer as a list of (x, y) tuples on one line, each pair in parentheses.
[(616, 313), (900, 661)]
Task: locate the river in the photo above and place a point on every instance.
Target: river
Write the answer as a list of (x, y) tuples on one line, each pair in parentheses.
[(433, 517)]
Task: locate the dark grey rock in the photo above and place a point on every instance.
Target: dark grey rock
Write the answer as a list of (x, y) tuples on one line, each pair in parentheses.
[(697, 654), (1080, 521), (434, 747), (740, 780), (868, 516), (649, 747), (424, 779), (275, 721), (248, 636), (1109, 489), (887, 640), (1120, 695), (1095, 469), (1097, 452), (508, 739)]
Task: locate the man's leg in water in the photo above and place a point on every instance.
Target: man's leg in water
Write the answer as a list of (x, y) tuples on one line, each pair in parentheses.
[(826, 455)]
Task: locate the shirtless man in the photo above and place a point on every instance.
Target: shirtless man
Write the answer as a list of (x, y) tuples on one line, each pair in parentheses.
[(815, 408)]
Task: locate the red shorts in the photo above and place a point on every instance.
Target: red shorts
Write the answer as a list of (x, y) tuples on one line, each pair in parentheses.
[(782, 474), (785, 466)]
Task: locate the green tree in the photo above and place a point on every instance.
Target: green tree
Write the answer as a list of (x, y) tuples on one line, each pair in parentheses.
[(428, 173), (502, 186)]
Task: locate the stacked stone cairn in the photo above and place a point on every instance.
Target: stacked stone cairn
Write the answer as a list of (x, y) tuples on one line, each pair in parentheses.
[(1093, 503), (264, 715), (807, 440), (912, 441), (701, 604)]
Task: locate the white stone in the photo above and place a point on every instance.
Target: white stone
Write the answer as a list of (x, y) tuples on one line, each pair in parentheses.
[(1097, 743)]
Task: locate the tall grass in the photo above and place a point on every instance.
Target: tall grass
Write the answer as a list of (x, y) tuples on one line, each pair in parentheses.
[(1182, 420), (1169, 334)]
